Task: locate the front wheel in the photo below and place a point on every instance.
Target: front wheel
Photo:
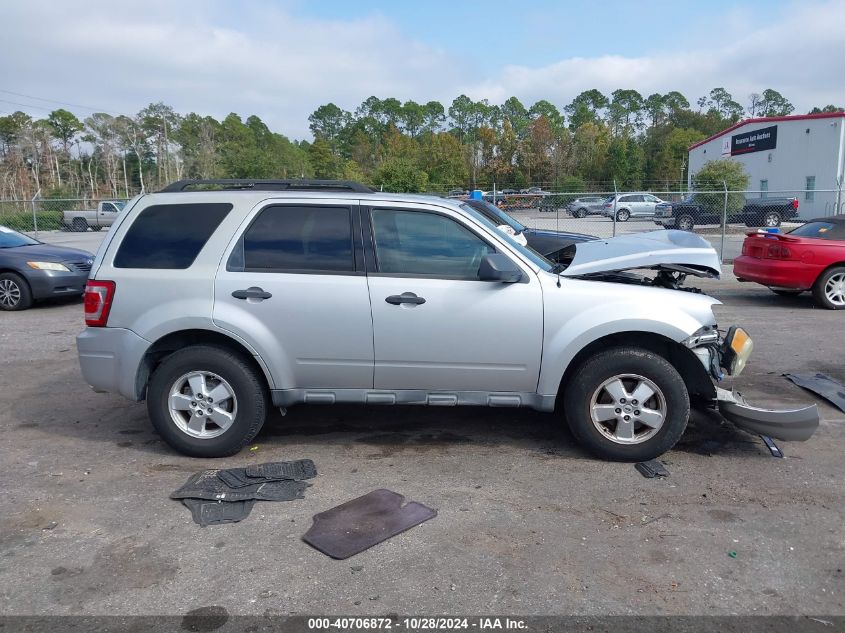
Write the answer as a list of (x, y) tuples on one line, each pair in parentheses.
[(622, 215), (685, 222), (627, 404), (15, 293), (829, 289), (206, 401)]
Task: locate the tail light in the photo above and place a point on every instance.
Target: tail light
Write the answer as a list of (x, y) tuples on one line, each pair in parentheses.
[(98, 299), (795, 203), (778, 251)]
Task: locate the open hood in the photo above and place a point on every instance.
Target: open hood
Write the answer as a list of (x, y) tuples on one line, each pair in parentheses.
[(677, 251)]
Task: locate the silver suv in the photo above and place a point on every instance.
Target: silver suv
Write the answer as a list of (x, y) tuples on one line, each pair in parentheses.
[(630, 205), (215, 300)]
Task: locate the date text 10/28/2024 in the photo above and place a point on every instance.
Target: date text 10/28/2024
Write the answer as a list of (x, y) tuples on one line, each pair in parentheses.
[(416, 623)]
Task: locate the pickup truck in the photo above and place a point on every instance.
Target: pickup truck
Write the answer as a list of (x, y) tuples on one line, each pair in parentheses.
[(687, 213), (81, 220)]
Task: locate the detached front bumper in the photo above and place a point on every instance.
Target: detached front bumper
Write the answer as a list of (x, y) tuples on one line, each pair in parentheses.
[(789, 425)]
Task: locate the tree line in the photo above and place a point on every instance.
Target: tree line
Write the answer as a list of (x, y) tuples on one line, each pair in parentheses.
[(626, 138)]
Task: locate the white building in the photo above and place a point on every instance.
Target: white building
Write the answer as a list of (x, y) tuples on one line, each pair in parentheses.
[(801, 155)]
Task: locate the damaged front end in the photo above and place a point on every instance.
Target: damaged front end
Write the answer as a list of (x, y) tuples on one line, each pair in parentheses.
[(728, 355)]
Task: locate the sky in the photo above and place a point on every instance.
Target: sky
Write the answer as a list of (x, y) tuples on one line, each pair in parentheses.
[(281, 59)]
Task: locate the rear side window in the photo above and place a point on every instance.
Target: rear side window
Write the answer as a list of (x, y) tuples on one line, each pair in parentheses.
[(169, 236), (297, 239), (822, 230)]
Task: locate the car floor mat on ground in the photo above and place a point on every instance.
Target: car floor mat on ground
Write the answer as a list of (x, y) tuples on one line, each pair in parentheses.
[(651, 469), (206, 512), (357, 525), (825, 386), (272, 471), (207, 485)]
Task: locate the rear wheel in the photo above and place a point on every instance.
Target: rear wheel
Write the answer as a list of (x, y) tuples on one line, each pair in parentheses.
[(627, 404), (15, 293), (771, 219), (80, 225), (581, 213), (622, 215), (206, 401), (685, 222), (829, 289)]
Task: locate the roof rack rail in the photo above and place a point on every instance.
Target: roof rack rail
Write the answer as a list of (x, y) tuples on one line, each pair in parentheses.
[(259, 184)]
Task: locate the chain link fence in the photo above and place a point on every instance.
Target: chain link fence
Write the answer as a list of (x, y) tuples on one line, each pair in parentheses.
[(720, 216), (49, 214)]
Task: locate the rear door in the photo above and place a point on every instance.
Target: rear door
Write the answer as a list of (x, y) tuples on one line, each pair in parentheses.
[(292, 283), (452, 332)]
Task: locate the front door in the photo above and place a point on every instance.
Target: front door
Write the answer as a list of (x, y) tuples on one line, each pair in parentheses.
[(294, 287), (436, 327)]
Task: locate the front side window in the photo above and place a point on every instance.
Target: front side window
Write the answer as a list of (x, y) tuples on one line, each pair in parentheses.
[(420, 243), (169, 236), (293, 239)]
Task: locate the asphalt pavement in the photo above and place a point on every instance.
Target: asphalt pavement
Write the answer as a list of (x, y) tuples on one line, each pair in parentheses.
[(527, 522)]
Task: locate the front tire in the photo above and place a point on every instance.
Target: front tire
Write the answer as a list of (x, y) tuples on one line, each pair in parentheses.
[(627, 404), (829, 289), (581, 213), (15, 293), (685, 222), (206, 401)]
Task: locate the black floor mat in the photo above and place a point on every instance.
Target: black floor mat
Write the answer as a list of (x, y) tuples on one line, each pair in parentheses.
[(356, 525), (272, 471), (207, 512), (207, 485), (825, 386)]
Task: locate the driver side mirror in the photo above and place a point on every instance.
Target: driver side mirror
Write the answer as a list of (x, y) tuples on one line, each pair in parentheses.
[(498, 267)]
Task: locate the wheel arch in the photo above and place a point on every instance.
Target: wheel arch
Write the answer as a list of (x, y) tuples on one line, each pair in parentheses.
[(169, 343), (696, 378)]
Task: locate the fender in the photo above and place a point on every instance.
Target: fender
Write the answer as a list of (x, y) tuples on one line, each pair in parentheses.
[(563, 342)]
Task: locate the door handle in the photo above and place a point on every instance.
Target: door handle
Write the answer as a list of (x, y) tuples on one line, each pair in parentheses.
[(405, 297), (253, 292)]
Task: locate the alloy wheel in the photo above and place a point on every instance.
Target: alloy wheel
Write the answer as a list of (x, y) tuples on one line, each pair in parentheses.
[(10, 293), (834, 289), (628, 408), (202, 404)]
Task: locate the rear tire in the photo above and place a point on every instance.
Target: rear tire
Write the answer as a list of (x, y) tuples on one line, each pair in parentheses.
[(80, 225), (15, 293), (829, 289), (231, 392), (771, 219), (581, 213), (685, 222), (622, 215), (595, 412)]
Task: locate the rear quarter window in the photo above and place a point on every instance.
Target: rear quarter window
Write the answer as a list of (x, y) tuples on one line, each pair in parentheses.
[(169, 236), (821, 230)]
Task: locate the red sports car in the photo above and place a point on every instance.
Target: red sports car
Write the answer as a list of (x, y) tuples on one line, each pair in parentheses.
[(811, 257)]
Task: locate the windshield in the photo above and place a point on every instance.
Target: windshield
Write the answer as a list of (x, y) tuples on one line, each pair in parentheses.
[(495, 214), (11, 239), (535, 257)]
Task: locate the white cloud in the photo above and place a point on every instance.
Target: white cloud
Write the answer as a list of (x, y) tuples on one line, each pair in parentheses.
[(800, 55), (260, 58)]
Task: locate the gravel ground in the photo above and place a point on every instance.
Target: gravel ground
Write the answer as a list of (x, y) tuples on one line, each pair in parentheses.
[(528, 523)]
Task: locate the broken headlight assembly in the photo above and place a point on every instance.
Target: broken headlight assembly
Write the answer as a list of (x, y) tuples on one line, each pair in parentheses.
[(736, 349)]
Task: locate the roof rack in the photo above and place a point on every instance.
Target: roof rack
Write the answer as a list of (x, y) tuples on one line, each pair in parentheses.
[(266, 185)]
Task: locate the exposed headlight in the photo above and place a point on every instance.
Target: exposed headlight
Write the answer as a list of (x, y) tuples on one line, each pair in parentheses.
[(737, 348), (48, 266)]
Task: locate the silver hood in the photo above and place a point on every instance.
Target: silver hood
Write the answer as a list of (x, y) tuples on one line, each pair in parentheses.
[(679, 251)]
